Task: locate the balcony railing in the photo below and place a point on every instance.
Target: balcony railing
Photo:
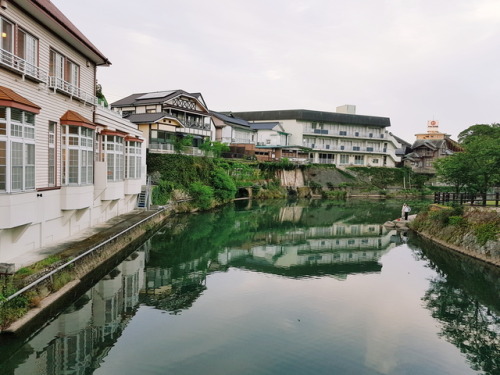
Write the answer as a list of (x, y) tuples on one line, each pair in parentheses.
[(168, 148), (236, 140), (61, 85), (342, 133), (345, 148), (192, 125), (21, 66)]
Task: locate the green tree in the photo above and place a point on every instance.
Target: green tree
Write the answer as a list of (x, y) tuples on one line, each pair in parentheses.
[(477, 168), (455, 170), (182, 143), (216, 148), (479, 130)]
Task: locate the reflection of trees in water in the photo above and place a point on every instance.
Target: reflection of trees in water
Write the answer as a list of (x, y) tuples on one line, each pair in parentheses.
[(464, 297), (191, 236), (180, 298), (470, 326)]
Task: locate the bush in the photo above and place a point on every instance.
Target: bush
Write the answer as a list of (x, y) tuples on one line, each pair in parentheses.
[(223, 185), (334, 194), (161, 192), (456, 220), (202, 195), (440, 217), (485, 232)]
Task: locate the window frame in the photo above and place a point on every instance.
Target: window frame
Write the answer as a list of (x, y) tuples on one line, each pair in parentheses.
[(18, 168), (77, 155)]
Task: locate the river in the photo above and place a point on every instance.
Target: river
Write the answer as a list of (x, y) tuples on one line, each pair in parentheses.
[(278, 287)]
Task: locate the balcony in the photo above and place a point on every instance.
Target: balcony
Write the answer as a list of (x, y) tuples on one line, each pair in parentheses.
[(192, 124), (168, 148), (77, 197), (342, 133), (71, 90), (18, 209), (21, 66), (355, 149), (236, 140)]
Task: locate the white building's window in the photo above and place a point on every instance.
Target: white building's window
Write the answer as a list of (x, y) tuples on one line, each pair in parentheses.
[(133, 160), (65, 72), (17, 150), (77, 155), (359, 159), (7, 37), (52, 153), (56, 65), (27, 49), (115, 157), (344, 159)]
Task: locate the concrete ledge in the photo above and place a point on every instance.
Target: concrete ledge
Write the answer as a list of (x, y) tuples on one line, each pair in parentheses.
[(44, 304)]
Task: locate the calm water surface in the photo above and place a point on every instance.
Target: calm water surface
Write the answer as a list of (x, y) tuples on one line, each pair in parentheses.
[(277, 288)]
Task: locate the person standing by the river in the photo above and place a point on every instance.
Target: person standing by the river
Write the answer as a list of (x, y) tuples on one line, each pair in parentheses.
[(405, 210)]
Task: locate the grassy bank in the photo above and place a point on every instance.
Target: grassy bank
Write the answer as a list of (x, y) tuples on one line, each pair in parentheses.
[(475, 231)]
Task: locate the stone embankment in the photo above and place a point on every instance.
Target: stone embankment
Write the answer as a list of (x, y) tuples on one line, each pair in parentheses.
[(475, 232)]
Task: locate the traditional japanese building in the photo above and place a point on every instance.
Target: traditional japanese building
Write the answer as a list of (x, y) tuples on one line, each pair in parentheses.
[(166, 116), (429, 147)]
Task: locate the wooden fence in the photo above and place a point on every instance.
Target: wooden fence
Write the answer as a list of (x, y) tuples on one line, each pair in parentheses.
[(466, 198)]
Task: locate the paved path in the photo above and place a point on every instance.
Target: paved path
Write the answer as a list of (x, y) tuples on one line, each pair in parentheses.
[(84, 239)]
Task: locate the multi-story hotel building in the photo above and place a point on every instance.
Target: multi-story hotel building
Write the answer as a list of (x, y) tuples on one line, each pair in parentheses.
[(342, 138), (66, 163)]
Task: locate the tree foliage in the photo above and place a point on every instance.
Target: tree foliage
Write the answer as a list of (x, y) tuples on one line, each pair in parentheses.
[(216, 148), (477, 169)]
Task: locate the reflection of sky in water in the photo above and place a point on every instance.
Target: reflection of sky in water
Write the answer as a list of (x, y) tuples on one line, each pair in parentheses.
[(249, 321), (199, 311)]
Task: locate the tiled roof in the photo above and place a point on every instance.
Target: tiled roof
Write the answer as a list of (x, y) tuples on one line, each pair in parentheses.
[(230, 119), (74, 118), (315, 116), (10, 98), (157, 97), (264, 125), (147, 118)]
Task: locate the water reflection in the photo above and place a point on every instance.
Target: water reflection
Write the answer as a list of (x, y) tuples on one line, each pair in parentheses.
[(468, 312), (294, 240)]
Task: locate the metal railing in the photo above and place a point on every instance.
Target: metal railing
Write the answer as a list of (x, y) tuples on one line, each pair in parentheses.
[(341, 133), (84, 254), (57, 83), (467, 198), (22, 66)]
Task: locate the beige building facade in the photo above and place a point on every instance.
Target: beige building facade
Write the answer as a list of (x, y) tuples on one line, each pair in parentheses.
[(66, 163)]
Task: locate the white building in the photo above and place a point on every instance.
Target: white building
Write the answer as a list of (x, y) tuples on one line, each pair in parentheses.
[(342, 138), (66, 164)]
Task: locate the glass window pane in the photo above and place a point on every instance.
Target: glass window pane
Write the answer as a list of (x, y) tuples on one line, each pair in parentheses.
[(3, 164)]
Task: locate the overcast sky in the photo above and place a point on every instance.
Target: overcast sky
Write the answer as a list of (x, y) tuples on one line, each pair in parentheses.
[(409, 60)]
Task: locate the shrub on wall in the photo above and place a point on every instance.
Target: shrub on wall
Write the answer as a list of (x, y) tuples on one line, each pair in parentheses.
[(223, 185), (202, 195)]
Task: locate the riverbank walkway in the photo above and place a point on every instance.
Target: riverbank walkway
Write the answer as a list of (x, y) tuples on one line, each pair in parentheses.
[(85, 239)]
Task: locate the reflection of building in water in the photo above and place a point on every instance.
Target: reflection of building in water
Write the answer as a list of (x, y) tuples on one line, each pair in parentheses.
[(361, 245), (176, 288), (82, 335), (291, 213)]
